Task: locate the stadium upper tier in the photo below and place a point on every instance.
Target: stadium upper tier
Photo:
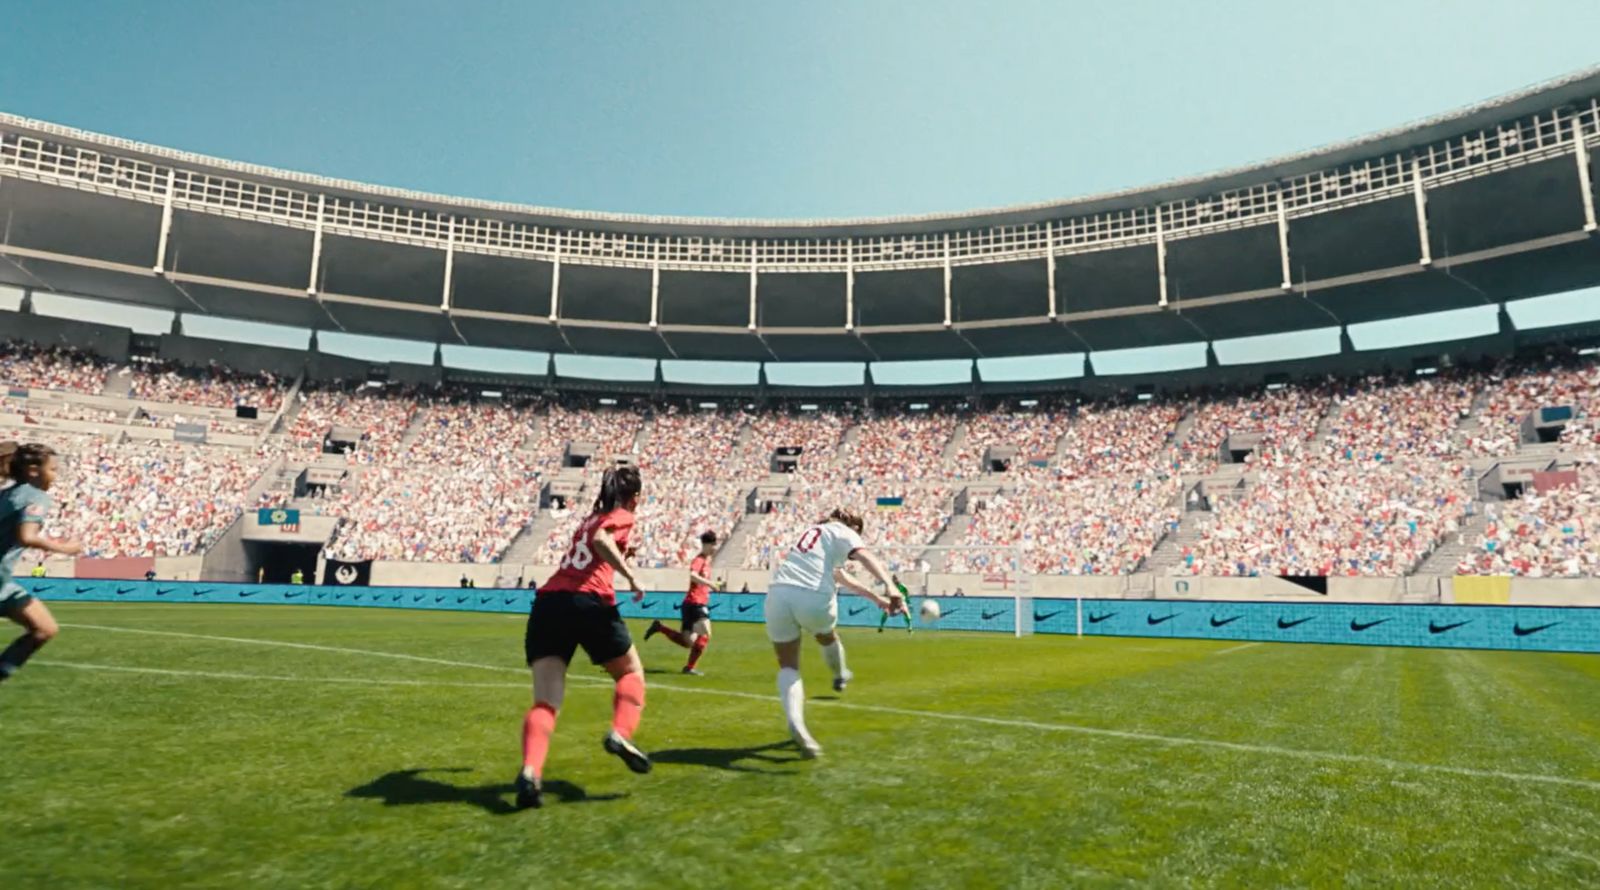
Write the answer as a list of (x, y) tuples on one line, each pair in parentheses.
[(1488, 468), (1487, 204)]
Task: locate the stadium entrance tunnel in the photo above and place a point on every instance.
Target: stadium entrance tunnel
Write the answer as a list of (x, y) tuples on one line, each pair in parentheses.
[(275, 563)]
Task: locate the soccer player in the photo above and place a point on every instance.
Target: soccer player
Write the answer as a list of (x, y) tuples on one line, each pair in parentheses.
[(801, 599), (884, 618), (695, 611), (576, 607), (23, 509)]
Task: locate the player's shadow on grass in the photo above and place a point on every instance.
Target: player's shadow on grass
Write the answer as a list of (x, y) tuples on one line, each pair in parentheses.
[(732, 759), (408, 786)]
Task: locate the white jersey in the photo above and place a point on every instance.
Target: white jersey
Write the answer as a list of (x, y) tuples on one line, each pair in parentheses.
[(812, 560)]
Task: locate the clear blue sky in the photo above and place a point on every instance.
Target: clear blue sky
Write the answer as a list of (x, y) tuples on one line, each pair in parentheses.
[(770, 109)]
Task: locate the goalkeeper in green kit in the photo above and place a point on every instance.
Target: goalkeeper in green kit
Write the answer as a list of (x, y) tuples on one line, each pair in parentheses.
[(905, 613)]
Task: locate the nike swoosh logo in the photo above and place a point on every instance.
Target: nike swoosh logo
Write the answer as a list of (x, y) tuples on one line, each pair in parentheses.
[(484, 599), (322, 596), (987, 616), (1224, 622), (747, 607), (1442, 628), (647, 604), (124, 591), (857, 611), (459, 599), (85, 589), (247, 593), (1285, 625), (440, 599), (1153, 620), (509, 600), (1521, 631), (1358, 626), (1037, 616), (290, 596), (715, 607), (1096, 619), (417, 598)]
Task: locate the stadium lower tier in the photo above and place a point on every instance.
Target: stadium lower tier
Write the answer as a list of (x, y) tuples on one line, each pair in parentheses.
[(1489, 470)]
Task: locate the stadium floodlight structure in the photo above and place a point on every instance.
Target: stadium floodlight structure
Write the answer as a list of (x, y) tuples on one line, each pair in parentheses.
[(1494, 202)]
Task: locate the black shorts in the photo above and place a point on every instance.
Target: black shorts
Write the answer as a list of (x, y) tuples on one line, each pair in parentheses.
[(692, 614), (559, 623)]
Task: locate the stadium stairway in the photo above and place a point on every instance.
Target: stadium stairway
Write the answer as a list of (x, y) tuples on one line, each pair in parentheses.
[(733, 551), (1181, 431), (119, 385), (953, 532), (528, 546), (530, 442), (1167, 557), (1324, 429), (1445, 557), (413, 431), (952, 448)]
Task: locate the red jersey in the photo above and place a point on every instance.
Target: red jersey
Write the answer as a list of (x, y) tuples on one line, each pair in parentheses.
[(582, 570), (699, 594)]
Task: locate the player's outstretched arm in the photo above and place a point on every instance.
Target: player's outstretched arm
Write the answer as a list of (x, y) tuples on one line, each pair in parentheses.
[(875, 566), (31, 534), (606, 547)]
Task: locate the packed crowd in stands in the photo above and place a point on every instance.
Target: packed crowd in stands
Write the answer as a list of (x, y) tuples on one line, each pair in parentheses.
[(1380, 417), (899, 445), (378, 416), (1088, 525), (1543, 534), (461, 492), (147, 498), (29, 366), (1334, 518), (213, 387), (1285, 419), (1034, 434), (1095, 486), (816, 433)]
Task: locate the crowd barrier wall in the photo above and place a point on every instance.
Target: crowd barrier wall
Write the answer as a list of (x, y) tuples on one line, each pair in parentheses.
[(1532, 628)]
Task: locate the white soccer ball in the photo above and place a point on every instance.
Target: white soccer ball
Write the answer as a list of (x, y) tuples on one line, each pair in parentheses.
[(930, 610)]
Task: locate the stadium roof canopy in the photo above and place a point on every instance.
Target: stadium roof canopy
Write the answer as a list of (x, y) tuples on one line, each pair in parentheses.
[(1491, 203)]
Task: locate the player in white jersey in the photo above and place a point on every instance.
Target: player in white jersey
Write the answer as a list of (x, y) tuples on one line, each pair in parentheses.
[(801, 600)]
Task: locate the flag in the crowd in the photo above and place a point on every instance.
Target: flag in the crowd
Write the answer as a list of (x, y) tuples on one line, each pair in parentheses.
[(338, 573), (891, 503), (277, 516)]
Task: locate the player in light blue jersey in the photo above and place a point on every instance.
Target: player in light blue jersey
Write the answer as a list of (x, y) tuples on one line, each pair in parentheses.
[(24, 506)]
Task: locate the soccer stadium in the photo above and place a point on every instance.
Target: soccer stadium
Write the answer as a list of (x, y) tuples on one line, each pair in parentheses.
[(1309, 621)]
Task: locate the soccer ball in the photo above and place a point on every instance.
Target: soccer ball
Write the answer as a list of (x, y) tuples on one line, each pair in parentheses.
[(930, 610)]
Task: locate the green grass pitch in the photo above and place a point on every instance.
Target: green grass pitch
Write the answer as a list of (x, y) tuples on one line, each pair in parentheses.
[(211, 758)]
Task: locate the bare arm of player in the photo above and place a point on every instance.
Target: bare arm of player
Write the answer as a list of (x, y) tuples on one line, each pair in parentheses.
[(846, 581), (29, 534), (606, 547), (896, 603)]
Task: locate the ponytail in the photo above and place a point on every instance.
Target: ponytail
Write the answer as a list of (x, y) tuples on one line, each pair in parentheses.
[(617, 485), (848, 518)]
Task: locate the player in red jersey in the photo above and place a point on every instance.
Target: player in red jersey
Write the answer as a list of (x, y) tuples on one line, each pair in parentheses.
[(695, 611), (576, 607)]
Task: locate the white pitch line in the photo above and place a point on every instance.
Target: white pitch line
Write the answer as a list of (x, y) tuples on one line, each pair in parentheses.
[(288, 645), (279, 678), (1235, 648), (1093, 731)]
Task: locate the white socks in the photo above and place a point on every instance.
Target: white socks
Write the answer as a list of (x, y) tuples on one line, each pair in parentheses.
[(792, 693), (834, 656)]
